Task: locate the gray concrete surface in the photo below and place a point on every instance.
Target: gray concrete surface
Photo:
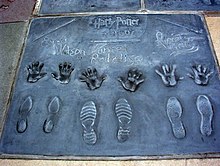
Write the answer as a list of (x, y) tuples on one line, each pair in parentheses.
[(11, 42)]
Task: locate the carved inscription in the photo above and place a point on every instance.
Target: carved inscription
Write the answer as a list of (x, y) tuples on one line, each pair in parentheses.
[(178, 44), (116, 27), (61, 47), (104, 53), (115, 22)]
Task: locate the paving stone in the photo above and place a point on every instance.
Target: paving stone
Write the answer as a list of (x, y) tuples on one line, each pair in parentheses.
[(12, 37), (16, 10), (178, 5), (213, 26), (203, 162), (72, 6), (56, 110), (91, 163)]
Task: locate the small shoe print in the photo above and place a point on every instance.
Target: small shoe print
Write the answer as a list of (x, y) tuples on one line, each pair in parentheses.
[(87, 117), (24, 111), (124, 114), (53, 109)]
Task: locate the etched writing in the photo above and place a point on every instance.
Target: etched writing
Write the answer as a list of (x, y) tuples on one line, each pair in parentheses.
[(114, 54), (115, 21), (119, 33), (61, 47), (178, 44)]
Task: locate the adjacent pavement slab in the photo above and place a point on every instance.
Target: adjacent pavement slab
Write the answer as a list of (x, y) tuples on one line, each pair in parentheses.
[(73, 6), (12, 38), (184, 5), (16, 10)]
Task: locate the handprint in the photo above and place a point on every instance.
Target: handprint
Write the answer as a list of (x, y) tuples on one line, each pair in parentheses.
[(65, 70), (132, 81), (34, 72), (92, 78), (200, 75), (168, 75)]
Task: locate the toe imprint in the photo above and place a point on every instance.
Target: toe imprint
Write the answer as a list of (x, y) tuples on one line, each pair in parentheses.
[(174, 112), (53, 109), (204, 107), (124, 114), (87, 118), (24, 110)]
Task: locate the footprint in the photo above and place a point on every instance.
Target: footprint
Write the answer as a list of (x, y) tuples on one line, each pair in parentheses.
[(53, 109), (87, 118), (204, 107), (24, 110), (124, 114), (174, 112)]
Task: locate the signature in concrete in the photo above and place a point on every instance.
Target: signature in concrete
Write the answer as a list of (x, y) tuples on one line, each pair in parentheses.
[(178, 44), (61, 47), (110, 54)]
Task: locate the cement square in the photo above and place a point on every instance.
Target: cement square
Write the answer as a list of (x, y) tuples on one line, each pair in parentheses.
[(115, 45), (12, 39), (73, 6), (180, 5), (16, 10)]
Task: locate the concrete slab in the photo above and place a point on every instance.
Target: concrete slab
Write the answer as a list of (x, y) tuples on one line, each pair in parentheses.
[(96, 41), (186, 5), (16, 10), (73, 6), (92, 163), (203, 162), (213, 23), (12, 38)]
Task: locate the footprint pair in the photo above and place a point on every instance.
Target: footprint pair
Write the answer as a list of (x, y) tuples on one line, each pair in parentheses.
[(174, 113), (88, 116), (25, 108)]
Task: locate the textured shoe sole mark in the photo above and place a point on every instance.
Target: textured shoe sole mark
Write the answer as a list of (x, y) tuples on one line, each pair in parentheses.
[(24, 110), (174, 113), (204, 107), (124, 114), (53, 109), (87, 117)]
